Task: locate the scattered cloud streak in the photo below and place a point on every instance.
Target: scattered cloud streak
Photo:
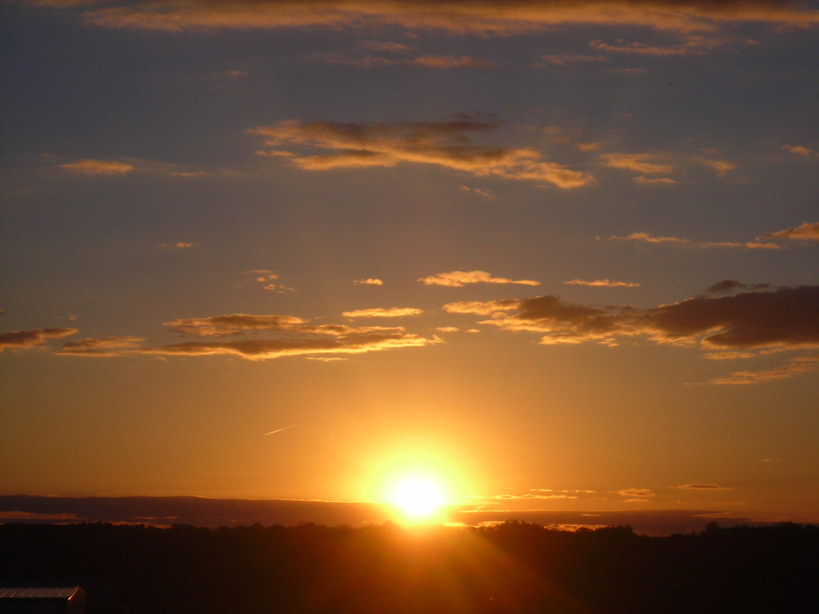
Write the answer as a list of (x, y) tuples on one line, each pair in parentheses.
[(386, 144), (796, 366), (510, 17), (645, 237), (808, 231), (26, 339), (457, 279), (601, 283), (368, 281), (88, 166), (102, 347), (383, 312)]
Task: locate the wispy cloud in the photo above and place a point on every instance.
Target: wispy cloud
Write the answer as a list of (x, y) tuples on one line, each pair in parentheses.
[(645, 237), (103, 346), (601, 283), (180, 245), (638, 162), (808, 231), (386, 144), (88, 166), (701, 487), (457, 279), (796, 366), (510, 17), (267, 349), (368, 281), (567, 59), (24, 339), (383, 312), (799, 150), (269, 281), (720, 167)]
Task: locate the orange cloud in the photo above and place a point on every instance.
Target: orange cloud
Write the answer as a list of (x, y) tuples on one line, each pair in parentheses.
[(509, 17), (720, 167), (654, 180), (457, 279), (565, 59), (180, 245), (605, 283), (639, 163), (266, 349), (24, 339), (383, 312), (636, 492), (808, 231), (386, 144), (369, 281), (701, 487), (104, 346), (797, 366), (800, 150), (87, 166), (644, 237)]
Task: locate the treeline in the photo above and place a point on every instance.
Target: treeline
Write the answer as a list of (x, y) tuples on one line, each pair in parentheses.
[(512, 567)]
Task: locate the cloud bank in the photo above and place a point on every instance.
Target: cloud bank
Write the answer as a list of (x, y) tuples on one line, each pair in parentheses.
[(508, 17)]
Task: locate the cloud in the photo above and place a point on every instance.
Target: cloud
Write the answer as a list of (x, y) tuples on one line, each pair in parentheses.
[(427, 61), (24, 339), (654, 180), (269, 281), (720, 167), (786, 317), (645, 237), (636, 492), (481, 308), (236, 323), (87, 166), (457, 279), (603, 283), (690, 45), (484, 192), (180, 245), (808, 231), (639, 163), (266, 349), (383, 312), (796, 366), (368, 281), (732, 285), (103, 346), (509, 17), (779, 319), (799, 150), (387, 144), (566, 59), (701, 487)]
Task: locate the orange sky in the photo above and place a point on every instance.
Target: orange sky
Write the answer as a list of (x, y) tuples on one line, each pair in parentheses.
[(561, 254)]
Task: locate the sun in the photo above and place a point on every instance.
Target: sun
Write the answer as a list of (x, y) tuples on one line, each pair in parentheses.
[(418, 498)]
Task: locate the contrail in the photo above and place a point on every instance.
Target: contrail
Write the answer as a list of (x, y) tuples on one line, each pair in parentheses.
[(284, 428)]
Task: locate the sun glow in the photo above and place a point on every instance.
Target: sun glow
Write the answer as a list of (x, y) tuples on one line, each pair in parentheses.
[(418, 498)]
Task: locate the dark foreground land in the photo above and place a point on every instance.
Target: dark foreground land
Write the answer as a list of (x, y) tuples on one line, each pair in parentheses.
[(513, 567)]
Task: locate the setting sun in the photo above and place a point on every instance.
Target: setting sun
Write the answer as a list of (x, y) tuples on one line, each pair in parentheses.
[(418, 497)]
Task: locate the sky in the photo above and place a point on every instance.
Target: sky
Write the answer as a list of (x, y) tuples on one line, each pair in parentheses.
[(561, 255)]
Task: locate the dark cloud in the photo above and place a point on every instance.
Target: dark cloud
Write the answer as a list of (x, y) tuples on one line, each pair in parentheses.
[(783, 318), (332, 145), (733, 285), (32, 338), (103, 346)]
